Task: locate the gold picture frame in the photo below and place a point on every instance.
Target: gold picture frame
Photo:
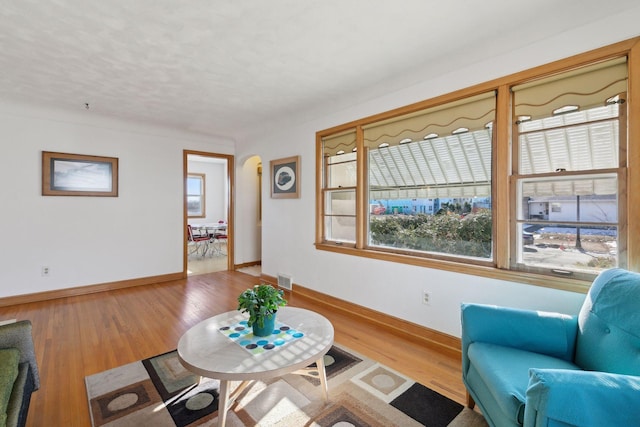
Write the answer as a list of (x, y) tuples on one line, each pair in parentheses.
[(285, 178), (66, 174)]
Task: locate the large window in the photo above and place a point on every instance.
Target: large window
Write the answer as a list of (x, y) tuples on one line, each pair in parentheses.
[(427, 183), (569, 172), (523, 178), (429, 180)]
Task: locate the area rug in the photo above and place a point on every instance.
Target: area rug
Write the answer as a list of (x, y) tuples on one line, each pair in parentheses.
[(159, 392)]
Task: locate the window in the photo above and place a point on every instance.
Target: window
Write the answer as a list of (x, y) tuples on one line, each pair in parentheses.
[(525, 178), (428, 182), (438, 157), (339, 187), (195, 195), (568, 144)]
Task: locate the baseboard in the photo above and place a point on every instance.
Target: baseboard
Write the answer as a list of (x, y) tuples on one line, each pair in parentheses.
[(89, 289), (246, 264), (437, 340)]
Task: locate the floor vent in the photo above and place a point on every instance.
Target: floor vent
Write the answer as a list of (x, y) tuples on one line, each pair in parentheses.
[(284, 281)]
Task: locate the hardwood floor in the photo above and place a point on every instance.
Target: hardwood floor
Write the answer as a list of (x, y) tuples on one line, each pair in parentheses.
[(82, 335), (207, 264)]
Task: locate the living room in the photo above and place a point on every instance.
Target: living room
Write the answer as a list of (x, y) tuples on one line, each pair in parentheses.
[(138, 237)]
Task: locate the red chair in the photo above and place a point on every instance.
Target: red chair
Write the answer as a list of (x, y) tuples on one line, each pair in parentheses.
[(197, 243), (220, 237)]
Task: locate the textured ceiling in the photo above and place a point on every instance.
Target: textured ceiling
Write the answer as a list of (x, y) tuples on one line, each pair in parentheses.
[(231, 68)]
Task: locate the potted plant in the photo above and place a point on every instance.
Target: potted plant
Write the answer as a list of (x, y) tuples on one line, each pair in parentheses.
[(261, 302)]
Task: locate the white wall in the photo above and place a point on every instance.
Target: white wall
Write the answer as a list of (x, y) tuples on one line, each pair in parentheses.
[(590, 210), (288, 224), (248, 229), (90, 240)]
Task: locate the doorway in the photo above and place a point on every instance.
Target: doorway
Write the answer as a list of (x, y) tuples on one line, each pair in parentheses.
[(208, 212)]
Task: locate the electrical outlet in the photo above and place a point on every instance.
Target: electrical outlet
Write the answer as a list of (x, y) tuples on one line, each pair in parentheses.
[(45, 271), (426, 298)]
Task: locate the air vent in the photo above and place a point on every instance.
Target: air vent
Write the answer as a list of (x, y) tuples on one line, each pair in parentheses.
[(284, 281)]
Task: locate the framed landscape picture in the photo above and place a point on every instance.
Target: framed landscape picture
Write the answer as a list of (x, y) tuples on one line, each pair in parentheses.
[(79, 175), (285, 178)]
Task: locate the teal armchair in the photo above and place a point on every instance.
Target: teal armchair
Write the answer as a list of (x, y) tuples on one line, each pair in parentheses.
[(531, 368)]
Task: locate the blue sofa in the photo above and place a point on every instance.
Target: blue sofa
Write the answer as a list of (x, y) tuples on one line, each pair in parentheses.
[(532, 368)]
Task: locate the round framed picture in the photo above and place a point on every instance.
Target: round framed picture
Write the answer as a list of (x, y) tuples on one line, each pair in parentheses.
[(285, 177)]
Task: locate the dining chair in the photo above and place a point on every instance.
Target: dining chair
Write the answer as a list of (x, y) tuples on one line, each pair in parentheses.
[(220, 237), (197, 243)]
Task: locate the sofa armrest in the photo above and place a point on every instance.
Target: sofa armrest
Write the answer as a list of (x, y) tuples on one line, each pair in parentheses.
[(581, 398), (553, 334), (18, 335)]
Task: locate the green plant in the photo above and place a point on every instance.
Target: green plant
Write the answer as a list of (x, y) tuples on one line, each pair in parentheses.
[(261, 301), (468, 235)]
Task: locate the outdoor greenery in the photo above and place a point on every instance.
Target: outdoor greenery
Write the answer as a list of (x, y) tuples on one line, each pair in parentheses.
[(601, 263), (261, 301), (448, 232)]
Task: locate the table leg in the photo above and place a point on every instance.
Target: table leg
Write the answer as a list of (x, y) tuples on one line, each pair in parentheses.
[(223, 402), (322, 373)]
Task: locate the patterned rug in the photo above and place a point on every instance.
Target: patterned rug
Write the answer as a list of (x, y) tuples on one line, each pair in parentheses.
[(159, 392)]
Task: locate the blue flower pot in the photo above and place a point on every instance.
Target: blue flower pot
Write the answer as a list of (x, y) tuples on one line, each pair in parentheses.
[(269, 326)]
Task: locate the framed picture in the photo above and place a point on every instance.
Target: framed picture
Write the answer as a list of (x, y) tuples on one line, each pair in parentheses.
[(285, 178), (79, 175)]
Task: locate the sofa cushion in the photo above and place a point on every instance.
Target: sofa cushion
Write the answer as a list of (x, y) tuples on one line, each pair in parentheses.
[(608, 320), (505, 373), (9, 358), (582, 398), (18, 406)]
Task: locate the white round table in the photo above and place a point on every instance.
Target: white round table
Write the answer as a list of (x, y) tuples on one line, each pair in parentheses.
[(207, 351)]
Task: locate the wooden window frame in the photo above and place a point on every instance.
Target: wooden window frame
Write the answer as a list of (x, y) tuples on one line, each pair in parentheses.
[(503, 197), (620, 172), (202, 195)]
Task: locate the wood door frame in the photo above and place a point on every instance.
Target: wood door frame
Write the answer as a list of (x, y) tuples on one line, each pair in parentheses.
[(230, 205)]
